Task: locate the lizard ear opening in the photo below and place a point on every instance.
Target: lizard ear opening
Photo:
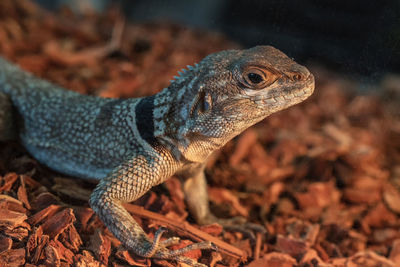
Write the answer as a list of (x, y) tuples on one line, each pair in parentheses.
[(203, 104)]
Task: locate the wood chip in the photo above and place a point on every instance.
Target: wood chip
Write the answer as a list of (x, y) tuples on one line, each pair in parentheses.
[(243, 146), (11, 219), (291, 246), (64, 253), (58, 223), (72, 189), (83, 216), (13, 257), (70, 238), (44, 200), (5, 243), (274, 259), (8, 181), (39, 251), (52, 257), (221, 195), (323, 177), (43, 214), (12, 204), (395, 252), (391, 197), (33, 241), (21, 193), (100, 245), (86, 259), (125, 256)]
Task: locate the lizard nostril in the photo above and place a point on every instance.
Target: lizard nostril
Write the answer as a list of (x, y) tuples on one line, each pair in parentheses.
[(297, 77)]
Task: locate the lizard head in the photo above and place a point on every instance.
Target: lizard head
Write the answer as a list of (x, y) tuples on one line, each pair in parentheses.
[(229, 91)]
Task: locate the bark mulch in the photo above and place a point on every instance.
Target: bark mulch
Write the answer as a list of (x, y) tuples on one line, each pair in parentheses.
[(322, 177)]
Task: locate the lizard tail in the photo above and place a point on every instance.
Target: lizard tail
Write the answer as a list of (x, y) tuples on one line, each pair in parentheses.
[(7, 123)]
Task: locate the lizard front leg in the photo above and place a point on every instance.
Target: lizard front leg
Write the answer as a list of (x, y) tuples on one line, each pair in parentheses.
[(196, 196), (195, 190), (126, 183)]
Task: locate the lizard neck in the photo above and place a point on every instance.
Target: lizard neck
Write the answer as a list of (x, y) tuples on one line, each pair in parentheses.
[(170, 127)]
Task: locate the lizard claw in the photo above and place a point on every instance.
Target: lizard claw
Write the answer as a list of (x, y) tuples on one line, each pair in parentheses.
[(165, 253), (237, 224), (158, 249), (245, 228), (156, 243), (170, 241)]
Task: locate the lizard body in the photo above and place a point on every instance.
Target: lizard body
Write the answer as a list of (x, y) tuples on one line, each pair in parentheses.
[(131, 145)]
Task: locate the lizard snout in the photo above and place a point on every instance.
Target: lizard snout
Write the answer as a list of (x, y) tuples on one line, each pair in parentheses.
[(299, 73)]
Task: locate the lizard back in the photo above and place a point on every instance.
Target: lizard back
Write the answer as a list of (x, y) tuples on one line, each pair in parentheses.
[(80, 135)]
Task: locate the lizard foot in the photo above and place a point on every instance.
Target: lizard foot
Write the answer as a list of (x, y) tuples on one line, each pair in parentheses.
[(237, 224), (159, 249)]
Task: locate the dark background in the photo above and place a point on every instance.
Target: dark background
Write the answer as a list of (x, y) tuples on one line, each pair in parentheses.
[(351, 36)]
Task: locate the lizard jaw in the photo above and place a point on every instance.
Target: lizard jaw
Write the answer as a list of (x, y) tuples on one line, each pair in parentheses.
[(291, 94)]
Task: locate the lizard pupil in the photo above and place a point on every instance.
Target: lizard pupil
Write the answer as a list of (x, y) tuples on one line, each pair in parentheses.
[(254, 77)]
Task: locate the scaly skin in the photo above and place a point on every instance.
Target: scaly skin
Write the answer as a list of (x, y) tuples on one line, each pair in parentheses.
[(131, 145)]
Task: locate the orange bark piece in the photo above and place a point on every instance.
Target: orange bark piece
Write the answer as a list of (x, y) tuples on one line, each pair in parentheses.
[(64, 253), (391, 196), (11, 219), (395, 252), (70, 238), (222, 195), (21, 193), (43, 214), (274, 259), (5, 243), (13, 257), (58, 223), (52, 256), (100, 245), (127, 257), (243, 146), (9, 180), (291, 246)]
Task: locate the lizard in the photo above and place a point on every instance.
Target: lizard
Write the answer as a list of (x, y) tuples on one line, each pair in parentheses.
[(133, 144)]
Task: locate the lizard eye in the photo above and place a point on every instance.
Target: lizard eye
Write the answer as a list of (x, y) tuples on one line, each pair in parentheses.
[(254, 78)]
